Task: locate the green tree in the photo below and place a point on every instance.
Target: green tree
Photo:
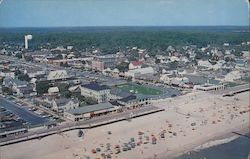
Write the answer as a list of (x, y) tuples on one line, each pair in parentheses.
[(23, 77), (42, 87), (122, 67), (157, 61), (19, 55), (90, 100), (7, 91)]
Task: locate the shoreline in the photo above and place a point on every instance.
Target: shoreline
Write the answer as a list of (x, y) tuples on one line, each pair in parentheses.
[(215, 141)]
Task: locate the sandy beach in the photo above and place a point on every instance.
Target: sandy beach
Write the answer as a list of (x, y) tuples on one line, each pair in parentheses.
[(189, 122)]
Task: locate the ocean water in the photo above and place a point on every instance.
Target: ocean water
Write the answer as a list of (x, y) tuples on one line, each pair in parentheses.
[(236, 149)]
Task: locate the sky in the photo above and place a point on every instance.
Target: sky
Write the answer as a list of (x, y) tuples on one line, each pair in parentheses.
[(62, 13)]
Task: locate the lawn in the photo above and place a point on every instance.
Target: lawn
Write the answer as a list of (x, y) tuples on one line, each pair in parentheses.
[(134, 88)]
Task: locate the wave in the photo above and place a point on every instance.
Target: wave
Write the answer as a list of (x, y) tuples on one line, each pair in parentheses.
[(216, 142)]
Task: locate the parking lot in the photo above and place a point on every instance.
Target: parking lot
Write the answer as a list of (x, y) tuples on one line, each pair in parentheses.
[(22, 112)]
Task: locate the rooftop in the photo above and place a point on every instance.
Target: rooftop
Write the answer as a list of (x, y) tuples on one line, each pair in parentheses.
[(90, 108), (95, 86)]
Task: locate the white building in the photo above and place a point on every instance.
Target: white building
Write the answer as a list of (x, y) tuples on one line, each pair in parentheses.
[(7, 74), (141, 71), (58, 74), (233, 76), (208, 87), (205, 64), (53, 90), (99, 92)]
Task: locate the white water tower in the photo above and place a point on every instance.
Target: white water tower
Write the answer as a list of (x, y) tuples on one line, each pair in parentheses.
[(26, 39)]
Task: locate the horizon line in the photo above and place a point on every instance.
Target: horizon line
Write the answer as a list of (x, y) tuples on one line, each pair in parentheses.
[(13, 27)]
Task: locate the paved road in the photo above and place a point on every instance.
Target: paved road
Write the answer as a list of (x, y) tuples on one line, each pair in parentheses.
[(21, 112), (86, 123)]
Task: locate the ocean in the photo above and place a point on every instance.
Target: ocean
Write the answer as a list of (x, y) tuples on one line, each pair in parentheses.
[(236, 149)]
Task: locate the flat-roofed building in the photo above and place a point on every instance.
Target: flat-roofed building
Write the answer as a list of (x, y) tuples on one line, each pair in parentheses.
[(87, 112), (94, 90)]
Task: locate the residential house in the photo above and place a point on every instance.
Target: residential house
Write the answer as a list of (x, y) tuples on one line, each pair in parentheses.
[(62, 104), (58, 74), (135, 65)]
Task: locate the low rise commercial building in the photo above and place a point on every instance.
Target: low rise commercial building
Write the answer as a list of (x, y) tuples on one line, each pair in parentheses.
[(89, 111)]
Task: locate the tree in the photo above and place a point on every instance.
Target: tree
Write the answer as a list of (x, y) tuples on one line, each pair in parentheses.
[(7, 91), (122, 67), (17, 72), (42, 87), (23, 77), (66, 94), (64, 64), (28, 58), (19, 55), (157, 61), (90, 100)]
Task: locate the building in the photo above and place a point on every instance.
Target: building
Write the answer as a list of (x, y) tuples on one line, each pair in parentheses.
[(102, 62), (98, 65), (99, 92), (140, 71), (135, 65), (208, 87), (53, 90), (62, 104), (27, 91), (58, 74), (133, 101), (89, 111), (34, 72), (7, 73), (14, 83)]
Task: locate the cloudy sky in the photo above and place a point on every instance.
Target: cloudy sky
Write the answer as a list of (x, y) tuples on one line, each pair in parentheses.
[(51, 13)]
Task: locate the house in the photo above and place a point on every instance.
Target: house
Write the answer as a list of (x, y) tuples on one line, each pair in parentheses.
[(53, 90), (14, 83), (94, 90), (58, 74), (62, 104), (135, 65), (140, 71), (33, 72), (25, 91), (7, 73), (204, 64), (89, 111), (21, 88)]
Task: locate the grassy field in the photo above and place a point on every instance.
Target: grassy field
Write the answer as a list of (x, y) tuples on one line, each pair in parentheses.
[(140, 89)]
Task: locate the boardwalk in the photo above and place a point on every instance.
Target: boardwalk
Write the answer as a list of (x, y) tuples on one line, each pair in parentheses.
[(66, 126)]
